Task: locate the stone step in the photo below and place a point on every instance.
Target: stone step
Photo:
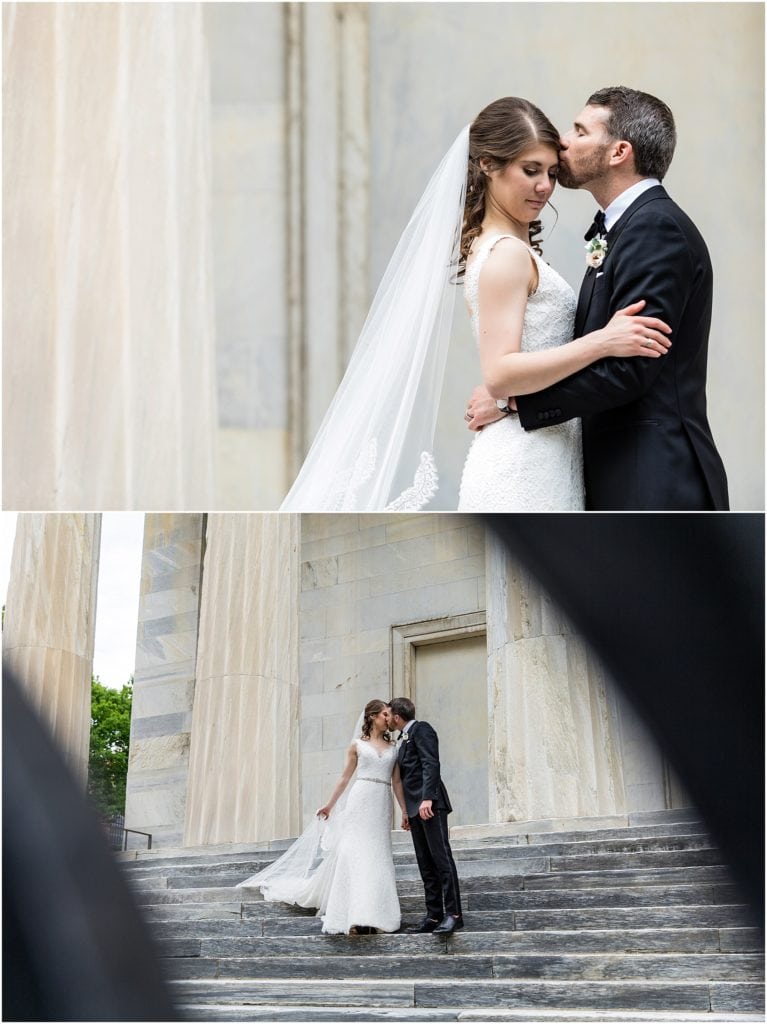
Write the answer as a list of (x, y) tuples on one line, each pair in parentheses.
[(706, 874), (723, 916), (686, 828), (659, 859), (726, 996), (689, 875), (653, 823), (167, 862), (616, 920), (418, 1015), (689, 940), (251, 943), (285, 923), (608, 896), (511, 899), (549, 967), (499, 866)]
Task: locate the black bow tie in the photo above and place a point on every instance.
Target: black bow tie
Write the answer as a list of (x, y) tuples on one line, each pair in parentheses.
[(597, 228)]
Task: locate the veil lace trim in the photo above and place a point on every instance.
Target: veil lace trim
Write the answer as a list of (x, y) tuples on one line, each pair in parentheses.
[(425, 486)]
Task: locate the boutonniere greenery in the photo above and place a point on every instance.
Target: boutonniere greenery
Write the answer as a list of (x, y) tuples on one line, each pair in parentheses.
[(596, 250)]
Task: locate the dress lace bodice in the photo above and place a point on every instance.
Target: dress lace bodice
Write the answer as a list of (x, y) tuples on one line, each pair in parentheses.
[(550, 309), (374, 764)]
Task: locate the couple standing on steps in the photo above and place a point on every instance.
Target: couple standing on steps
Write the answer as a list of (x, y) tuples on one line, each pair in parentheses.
[(342, 864)]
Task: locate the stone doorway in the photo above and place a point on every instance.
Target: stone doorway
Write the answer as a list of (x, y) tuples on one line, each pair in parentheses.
[(442, 666)]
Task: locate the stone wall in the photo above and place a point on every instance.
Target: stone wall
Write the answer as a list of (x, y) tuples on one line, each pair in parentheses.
[(554, 752), (361, 575), (247, 48), (434, 66)]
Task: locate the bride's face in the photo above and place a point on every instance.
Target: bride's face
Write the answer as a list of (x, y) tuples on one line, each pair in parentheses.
[(525, 184), (381, 720)]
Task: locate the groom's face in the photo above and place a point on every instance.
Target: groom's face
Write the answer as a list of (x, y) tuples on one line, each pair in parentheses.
[(585, 155)]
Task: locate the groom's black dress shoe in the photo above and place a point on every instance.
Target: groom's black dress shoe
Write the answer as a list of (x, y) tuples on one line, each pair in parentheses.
[(449, 925), (427, 925)]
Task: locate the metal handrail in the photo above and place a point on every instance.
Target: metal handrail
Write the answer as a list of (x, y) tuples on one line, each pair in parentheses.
[(136, 832)]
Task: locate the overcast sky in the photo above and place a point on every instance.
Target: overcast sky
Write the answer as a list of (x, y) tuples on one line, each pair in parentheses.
[(118, 593)]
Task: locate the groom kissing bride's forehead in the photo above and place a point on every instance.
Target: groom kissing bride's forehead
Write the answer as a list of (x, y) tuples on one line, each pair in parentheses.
[(598, 403), (647, 443)]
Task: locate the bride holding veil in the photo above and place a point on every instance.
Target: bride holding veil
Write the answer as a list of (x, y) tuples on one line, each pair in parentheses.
[(476, 224), (342, 863)]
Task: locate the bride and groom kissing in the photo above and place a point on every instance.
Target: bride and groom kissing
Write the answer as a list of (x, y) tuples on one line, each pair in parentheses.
[(342, 864), (597, 404)]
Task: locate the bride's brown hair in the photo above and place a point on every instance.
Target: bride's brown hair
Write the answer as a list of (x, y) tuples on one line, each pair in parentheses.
[(498, 134), (372, 708)]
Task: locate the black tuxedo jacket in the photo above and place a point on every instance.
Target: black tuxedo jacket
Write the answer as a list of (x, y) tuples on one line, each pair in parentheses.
[(647, 444), (418, 759)]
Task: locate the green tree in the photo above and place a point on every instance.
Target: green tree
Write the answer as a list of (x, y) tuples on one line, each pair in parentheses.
[(109, 741)]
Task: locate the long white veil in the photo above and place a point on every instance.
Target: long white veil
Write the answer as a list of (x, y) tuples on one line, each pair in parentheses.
[(373, 450), (304, 873)]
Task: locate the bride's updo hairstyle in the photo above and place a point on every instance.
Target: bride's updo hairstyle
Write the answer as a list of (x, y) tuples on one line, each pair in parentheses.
[(372, 708), (498, 134)]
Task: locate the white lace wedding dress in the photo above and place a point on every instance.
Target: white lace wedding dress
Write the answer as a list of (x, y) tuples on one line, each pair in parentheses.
[(350, 875), (509, 469)]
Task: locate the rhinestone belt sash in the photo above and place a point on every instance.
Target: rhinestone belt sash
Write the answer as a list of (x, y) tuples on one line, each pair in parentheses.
[(362, 778)]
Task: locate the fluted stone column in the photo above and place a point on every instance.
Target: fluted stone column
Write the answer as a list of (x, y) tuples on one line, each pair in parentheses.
[(553, 750), (50, 622), (244, 759), (163, 687)]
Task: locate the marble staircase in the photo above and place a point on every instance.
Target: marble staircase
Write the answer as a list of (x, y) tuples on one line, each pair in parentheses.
[(632, 923)]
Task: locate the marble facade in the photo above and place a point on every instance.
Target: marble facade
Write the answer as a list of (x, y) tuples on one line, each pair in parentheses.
[(328, 120), (261, 637), (303, 619)]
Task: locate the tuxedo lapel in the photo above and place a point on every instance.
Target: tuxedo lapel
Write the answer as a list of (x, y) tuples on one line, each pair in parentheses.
[(404, 742), (584, 300), (590, 279)]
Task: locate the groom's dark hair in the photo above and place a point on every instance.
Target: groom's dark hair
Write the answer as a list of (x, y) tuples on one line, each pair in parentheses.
[(644, 121), (403, 707)]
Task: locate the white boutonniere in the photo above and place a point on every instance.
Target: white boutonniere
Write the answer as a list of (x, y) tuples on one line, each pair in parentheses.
[(405, 737), (596, 250)]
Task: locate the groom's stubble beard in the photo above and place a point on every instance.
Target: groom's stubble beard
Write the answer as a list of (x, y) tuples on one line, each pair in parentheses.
[(586, 170)]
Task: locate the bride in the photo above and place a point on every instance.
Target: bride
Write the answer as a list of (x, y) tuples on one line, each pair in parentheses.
[(342, 864), (477, 223)]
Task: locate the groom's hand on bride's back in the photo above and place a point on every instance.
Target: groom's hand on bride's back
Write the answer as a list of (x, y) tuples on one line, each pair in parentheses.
[(482, 409)]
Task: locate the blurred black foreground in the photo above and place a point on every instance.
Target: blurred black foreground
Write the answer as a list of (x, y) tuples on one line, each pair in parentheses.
[(673, 605)]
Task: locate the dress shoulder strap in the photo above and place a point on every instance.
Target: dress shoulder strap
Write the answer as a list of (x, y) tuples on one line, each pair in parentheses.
[(487, 247), (489, 244)]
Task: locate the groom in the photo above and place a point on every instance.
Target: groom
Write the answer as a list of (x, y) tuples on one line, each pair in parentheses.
[(647, 444), (428, 806)]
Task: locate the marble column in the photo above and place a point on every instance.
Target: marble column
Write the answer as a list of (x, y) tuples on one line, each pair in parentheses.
[(163, 688), (50, 621), (244, 762), (553, 749)]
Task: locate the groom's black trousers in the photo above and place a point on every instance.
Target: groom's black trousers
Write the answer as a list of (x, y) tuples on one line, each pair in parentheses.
[(436, 864)]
